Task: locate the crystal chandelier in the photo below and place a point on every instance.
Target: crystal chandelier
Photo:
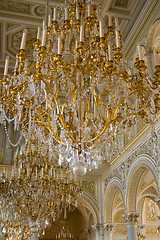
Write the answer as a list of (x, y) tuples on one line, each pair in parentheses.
[(12, 227), (79, 88), (37, 190), (64, 234)]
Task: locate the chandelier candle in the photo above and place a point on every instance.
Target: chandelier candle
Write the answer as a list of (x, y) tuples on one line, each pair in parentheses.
[(89, 10), (117, 39), (49, 20), (110, 20), (101, 28), (59, 45), (77, 12), (139, 49), (116, 24), (6, 66), (55, 14), (23, 42), (44, 36), (39, 33)]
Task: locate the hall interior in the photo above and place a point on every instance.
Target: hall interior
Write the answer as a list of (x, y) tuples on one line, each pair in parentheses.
[(121, 195)]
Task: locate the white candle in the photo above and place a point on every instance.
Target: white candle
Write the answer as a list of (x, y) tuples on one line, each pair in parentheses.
[(42, 171), (49, 20), (81, 33), (44, 36), (110, 52), (89, 10), (101, 28), (59, 45), (77, 12), (51, 171), (117, 39), (23, 42), (95, 110), (39, 33), (55, 14), (66, 13), (116, 23), (76, 44), (6, 66), (109, 20), (28, 171), (139, 50), (57, 105), (44, 24)]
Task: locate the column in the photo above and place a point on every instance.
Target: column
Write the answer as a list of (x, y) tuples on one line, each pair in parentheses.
[(98, 232), (131, 220), (108, 230), (89, 234)]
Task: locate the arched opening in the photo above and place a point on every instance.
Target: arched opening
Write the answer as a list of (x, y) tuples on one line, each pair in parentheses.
[(75, 224), (114, 209), (141, 194)]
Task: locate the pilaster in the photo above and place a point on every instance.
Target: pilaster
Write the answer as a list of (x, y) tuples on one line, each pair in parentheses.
[(98, 232), (89, 234), (108, 230)]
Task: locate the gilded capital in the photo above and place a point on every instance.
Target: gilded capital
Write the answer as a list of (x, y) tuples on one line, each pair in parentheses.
[(131, 218)]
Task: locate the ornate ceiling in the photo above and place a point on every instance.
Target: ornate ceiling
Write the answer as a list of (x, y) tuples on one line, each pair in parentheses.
[(15, 15)]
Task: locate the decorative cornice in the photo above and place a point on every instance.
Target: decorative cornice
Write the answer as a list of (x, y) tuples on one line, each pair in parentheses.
[(148, 147), (109, 227), (14, 6), (89, 186)]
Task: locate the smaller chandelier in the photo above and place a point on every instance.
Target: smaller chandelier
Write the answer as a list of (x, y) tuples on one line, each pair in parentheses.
[(12, 225), (64, 234), (37, 188)]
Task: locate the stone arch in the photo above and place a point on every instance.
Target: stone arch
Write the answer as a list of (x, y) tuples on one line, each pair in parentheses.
[(113, 186), (154, 35), (145, 190), (74, 223), (91, 221), (137, 168), (89, 202), (153, 42)]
